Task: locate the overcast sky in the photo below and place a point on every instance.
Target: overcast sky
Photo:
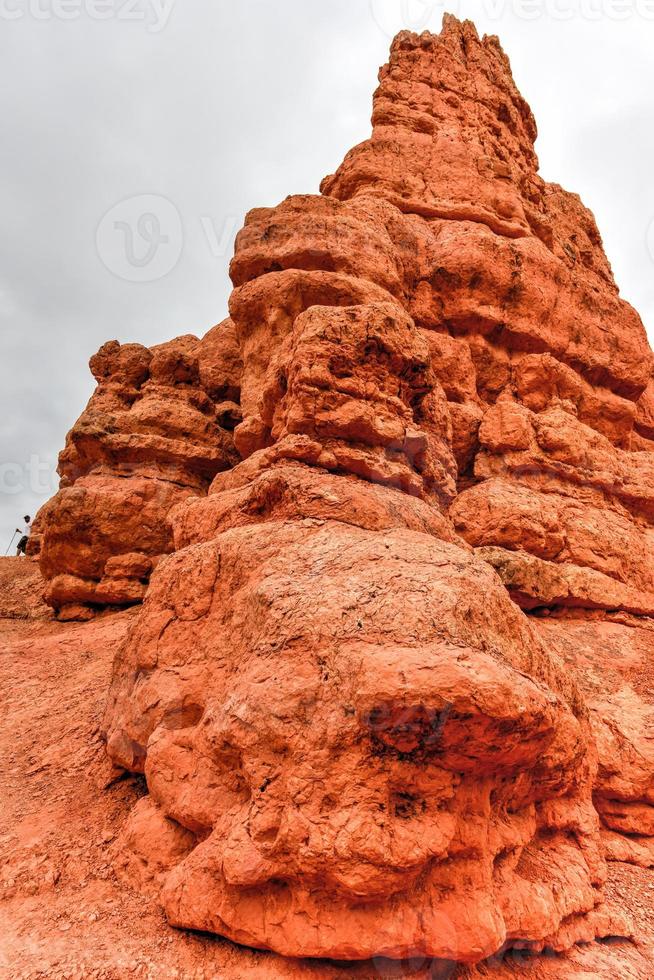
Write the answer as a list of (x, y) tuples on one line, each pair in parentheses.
[(202, 110)]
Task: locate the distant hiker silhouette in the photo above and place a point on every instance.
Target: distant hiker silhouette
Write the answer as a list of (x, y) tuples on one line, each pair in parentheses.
[(25, 531)]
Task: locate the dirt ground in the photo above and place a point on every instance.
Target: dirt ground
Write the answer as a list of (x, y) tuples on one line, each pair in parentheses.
[(63, 912)]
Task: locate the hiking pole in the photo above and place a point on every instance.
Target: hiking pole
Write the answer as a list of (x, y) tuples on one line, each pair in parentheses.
[(10, 544)]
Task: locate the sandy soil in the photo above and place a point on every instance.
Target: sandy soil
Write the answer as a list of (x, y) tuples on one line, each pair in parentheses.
[(21, 588), (63, 912)]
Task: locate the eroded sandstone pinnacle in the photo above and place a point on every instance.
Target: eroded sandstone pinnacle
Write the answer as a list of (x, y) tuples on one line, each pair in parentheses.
[(428, 422)]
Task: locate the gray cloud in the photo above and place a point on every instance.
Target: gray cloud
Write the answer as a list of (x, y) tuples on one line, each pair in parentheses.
[(226, 106)]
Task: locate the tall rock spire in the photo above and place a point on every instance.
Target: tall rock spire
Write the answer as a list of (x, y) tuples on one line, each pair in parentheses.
[(453, 140), (364, 728), (453, 137), (346, 686)]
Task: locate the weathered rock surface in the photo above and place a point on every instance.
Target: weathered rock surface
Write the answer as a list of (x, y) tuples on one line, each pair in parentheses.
[(613, 662), (381, 692), (156, 431), (346, 761), (78, 883)]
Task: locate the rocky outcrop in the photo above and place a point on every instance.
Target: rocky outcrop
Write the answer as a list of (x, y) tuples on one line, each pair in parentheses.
[(372, 747), (156, 431), (391, 524), (343, 685), (612, 660)]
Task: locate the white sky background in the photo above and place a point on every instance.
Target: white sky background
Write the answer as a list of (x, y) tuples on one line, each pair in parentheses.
[(224, 105)]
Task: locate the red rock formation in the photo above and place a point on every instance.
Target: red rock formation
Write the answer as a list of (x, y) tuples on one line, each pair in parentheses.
[(356, 744), (371, 747), (59, 833), (157, 430), (612, 659)]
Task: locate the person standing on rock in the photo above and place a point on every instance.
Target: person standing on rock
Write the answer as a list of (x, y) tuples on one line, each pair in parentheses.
[(21, 549)]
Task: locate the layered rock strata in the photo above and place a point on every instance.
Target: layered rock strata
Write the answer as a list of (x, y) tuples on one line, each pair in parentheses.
[(408, 490), (157, 430), (374, 749)]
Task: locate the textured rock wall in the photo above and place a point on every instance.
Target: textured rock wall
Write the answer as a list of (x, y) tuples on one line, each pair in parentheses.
[(374, 750), (156, 431), (350, 687)]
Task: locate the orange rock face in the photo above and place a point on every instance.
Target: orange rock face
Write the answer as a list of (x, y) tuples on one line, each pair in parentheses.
[(382, 692), (156, 431), (373, 748)]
